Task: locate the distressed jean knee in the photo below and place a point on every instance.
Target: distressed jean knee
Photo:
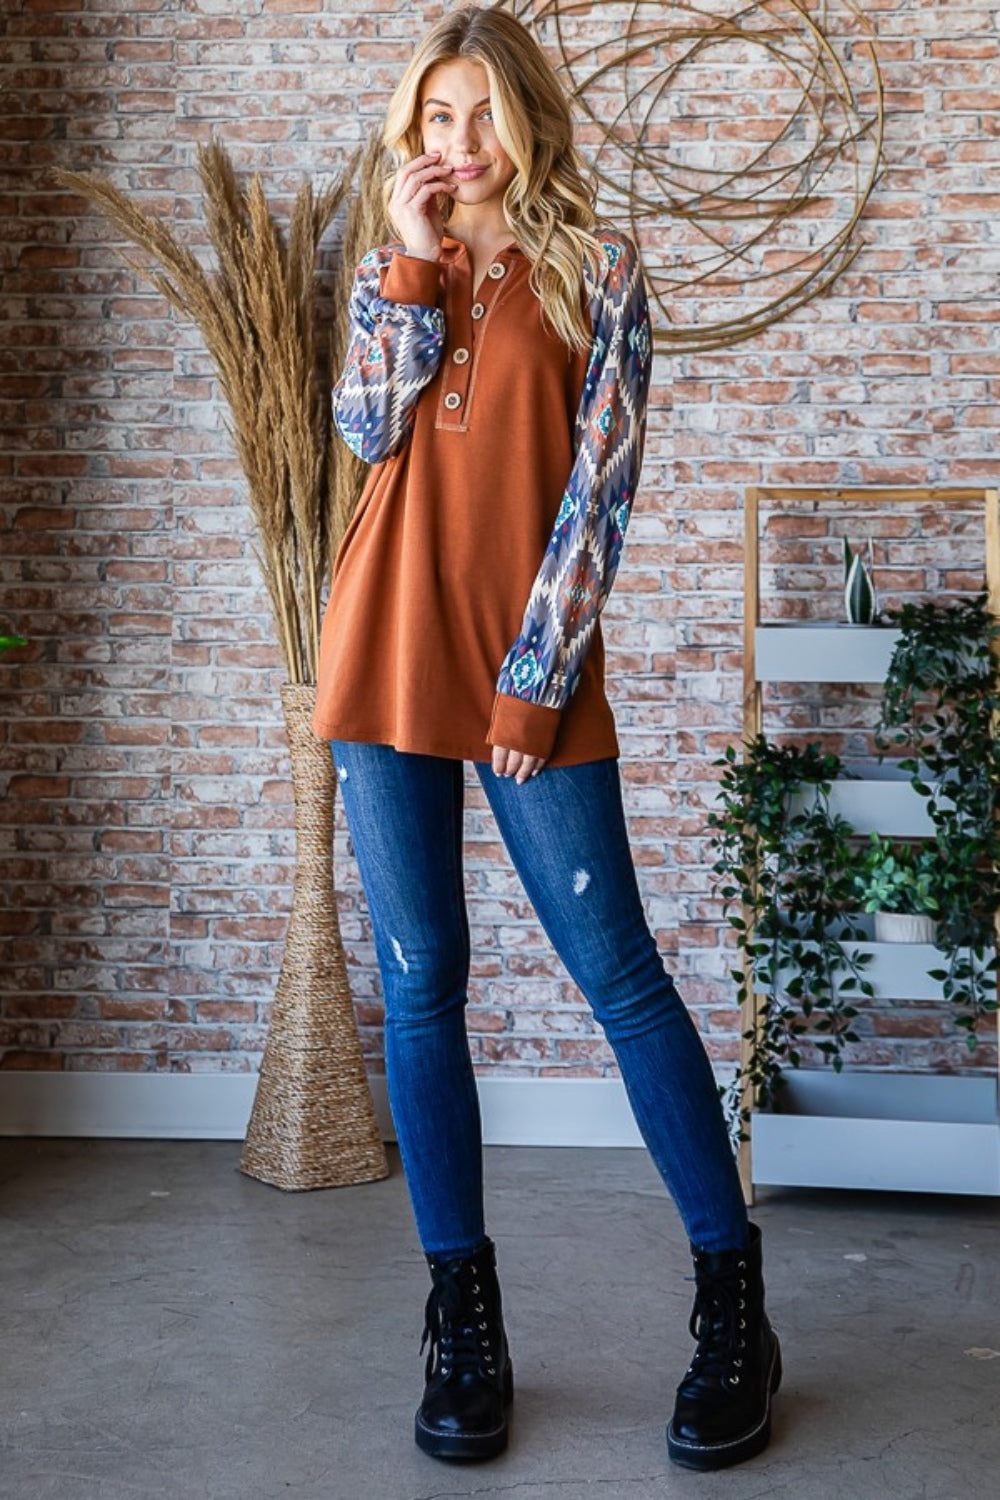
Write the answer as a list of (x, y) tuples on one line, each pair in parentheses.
[(420, 985)]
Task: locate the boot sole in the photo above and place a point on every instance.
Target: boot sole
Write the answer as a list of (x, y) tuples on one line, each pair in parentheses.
[(466, 1446), (706, 1456)]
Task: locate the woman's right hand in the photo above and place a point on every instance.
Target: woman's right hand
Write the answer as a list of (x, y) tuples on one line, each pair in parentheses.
[(413, 204)]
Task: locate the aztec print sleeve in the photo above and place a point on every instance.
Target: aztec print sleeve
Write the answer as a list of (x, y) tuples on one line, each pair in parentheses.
[(542, 668), (397, 335)]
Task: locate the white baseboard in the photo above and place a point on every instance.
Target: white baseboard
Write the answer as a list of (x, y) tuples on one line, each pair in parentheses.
[(171, 1106)]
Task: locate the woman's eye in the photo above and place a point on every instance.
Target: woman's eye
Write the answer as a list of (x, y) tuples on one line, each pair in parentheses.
[(440, 117)]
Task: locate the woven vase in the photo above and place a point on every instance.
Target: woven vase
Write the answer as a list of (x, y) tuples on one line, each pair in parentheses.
[(313, 1121)]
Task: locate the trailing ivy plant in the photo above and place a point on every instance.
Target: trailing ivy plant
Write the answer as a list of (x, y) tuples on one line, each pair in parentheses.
[(941, 706), (787, 870)]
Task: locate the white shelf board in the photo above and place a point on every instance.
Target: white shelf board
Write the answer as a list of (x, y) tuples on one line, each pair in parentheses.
[(881, 800), (823, 653), (919, 1132), (898, 971)]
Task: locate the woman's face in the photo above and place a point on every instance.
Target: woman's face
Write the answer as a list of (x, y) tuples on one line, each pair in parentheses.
[(456, 119)]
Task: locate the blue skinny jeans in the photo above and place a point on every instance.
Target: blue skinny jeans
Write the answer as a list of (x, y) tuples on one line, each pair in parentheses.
[(566, 835)]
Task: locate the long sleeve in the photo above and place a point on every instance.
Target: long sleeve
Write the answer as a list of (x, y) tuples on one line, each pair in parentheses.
[(542, 668), (397, 334)]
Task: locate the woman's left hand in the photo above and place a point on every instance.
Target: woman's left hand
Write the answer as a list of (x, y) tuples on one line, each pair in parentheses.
[(514, 763)]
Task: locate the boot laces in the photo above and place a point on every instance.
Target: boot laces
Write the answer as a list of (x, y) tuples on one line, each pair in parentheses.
[(718, 1322), (455, 1321)]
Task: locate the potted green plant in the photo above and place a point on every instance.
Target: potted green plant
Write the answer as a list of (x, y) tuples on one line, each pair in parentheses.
[(898, 882), (788, 866), (10, 642)]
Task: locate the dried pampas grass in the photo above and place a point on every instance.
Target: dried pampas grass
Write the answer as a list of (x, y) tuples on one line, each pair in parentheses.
[(257, 312)]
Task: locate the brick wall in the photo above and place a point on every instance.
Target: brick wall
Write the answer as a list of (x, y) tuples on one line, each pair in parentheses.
[(145, 836)]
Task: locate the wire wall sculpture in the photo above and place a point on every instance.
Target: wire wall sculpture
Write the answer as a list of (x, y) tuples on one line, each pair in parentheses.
[(739, 141)]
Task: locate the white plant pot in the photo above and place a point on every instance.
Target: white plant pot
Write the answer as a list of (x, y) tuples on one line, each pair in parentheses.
[(904, 927)]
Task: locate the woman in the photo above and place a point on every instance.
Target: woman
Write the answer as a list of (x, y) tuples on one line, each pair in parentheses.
[(497, 380)]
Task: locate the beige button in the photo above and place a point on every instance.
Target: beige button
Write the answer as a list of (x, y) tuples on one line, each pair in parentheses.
[(460, 356), (496, 270), (477, 309), (453, 400)]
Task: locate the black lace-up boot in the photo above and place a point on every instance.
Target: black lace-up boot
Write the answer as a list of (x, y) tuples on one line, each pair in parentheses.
[(469, 1375), (723, 1410)]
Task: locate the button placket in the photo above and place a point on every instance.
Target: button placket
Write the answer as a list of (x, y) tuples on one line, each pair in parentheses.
[(486, 294), (458, 363), (459, 373)]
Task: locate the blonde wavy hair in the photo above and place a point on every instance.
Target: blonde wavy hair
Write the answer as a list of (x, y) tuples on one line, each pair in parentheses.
[(549, 205)]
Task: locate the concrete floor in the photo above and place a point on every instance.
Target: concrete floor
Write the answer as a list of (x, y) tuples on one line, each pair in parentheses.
[(171, 1328)]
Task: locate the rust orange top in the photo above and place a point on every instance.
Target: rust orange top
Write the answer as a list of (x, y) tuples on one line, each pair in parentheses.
[(466, 591)]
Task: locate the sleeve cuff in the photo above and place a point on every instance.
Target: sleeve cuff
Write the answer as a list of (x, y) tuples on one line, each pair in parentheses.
[(528, 727), (411, 280)]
